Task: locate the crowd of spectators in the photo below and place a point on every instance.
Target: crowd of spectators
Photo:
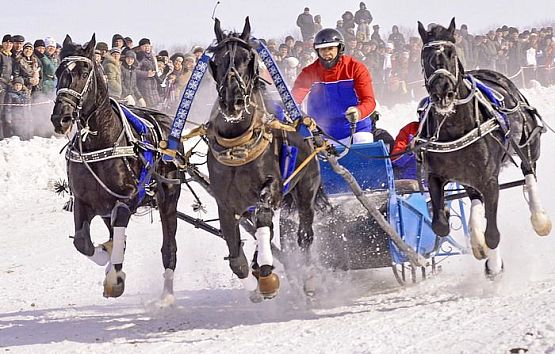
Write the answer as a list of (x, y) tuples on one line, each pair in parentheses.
[(137, 76)]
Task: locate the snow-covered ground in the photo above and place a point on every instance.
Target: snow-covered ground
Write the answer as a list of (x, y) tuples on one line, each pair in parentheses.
[(52, 296)]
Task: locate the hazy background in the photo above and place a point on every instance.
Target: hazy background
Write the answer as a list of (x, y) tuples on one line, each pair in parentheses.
[(168, 23)]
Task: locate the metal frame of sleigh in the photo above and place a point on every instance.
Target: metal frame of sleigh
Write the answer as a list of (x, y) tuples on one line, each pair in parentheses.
[(369, 223)]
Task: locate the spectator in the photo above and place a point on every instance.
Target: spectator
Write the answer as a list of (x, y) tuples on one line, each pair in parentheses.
[(306, 23), (363, 14), (17, 113), (28, 68), (118, 41), (49, 66), (363, 31), (376, 35), (112, 70), (6, 71), (198, 51), (396, 38), (348, 20), (317, 23), (18, 41), (147, 80), (129, 90)]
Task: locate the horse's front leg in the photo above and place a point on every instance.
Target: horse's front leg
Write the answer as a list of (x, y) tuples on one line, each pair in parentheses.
[(114, 283), (237, 260), (540, 219), (268, 282), (440, 218), (82, 215)]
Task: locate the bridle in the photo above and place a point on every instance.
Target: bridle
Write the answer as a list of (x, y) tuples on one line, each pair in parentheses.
[(245, 88), (65, 94), (439, 47)]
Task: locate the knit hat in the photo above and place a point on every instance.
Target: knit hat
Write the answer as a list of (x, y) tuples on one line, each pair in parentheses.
[(39, 43), (49, 42), (144, 41), (18, 80), (164, 53), (28, 45), (7, 38), (115, 50), (130, 54)]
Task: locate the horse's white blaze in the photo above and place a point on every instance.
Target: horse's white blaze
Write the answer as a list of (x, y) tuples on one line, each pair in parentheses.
[(100, 256), (540, 219), (264, 246), (118, 246), (476, 227), (495, 263), (249, 283)]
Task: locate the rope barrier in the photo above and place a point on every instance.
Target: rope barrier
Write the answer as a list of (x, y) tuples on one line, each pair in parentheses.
[(27, 104)]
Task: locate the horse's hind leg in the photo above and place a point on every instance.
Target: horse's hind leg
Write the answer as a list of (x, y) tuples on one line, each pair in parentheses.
[(540, 219), (168, 215), (440, 219), (114, 284)]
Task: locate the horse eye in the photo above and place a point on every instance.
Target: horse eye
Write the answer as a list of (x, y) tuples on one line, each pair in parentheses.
[(84, 75)]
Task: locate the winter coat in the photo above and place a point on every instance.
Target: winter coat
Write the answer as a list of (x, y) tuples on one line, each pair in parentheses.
[(112, 71), (404, 166), (398, 40), (148, 85), (348, 20), (48, 74), (28, 69), (6, 69), (334, 90), (363, 14), (129, 82), (306, 24), (17, 114)]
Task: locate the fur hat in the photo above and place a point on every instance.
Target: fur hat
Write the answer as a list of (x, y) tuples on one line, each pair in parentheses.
[(6, 38), (144, 41), (18, 38), (39, 43), (102, 46)]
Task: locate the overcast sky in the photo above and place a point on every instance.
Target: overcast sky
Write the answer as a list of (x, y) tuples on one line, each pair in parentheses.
[(188, 22)]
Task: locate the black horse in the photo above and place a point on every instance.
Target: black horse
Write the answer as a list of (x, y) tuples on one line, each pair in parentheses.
[(244, 161), (107, 173), (468, 139)]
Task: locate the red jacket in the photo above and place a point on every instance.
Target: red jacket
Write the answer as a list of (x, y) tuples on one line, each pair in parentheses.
[(347, 68), (405, 136)]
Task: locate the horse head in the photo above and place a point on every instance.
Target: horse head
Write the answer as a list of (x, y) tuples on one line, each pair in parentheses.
[(79, 84), (234, 66), (441, 66)]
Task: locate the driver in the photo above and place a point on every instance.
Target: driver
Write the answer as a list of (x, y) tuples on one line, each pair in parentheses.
[(339, 90)]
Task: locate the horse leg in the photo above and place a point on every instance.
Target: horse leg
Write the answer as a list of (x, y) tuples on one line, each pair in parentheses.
[(440, 219), (168, 215), (268, 282), (540, 219), (237, 260), (477, 223), (82, 216), (494, 263), (114, 283), (305, 234)]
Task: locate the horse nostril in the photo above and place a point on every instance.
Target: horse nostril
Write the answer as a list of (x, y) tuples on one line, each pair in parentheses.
[(450, 95), (66, 119)]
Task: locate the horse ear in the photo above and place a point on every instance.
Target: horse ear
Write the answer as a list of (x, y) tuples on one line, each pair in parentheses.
[(218, 30), (422, 31), (246, 30), (89, 49), (452, 26), (67, 41)]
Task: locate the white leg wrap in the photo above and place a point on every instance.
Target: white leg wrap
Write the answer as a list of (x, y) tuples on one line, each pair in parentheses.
[(100, 256), (249, 283), (540, 219), (118, 246), (494, 260), (476, 227), (264, 246), (167, 295)]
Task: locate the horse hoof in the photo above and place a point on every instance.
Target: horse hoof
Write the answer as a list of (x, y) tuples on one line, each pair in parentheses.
[(309, 286), (479, 250), (114, 284), (541, 223), (255, 297), (268, 286), (493, 275), (440, 227)]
